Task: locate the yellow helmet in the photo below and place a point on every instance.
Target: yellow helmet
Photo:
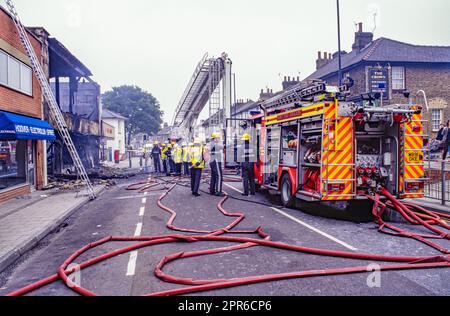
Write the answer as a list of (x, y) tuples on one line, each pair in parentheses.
[(246, 137), (215, 136), (169, 146)]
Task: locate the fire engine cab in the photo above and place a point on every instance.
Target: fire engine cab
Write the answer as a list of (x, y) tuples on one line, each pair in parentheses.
[(315, 143)]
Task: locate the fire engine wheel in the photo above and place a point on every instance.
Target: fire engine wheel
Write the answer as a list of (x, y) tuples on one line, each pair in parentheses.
[(286, 191)]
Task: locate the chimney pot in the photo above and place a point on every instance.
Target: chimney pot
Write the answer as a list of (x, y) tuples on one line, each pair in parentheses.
[(319, 55), (360, 27)]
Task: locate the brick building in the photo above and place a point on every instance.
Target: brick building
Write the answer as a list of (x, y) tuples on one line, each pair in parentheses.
[(23, 132), (398, 67)]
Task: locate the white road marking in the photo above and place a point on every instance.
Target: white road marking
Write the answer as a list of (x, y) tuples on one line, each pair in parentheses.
[(144, 200), (131, 269), (145, 193), (340, 242), (138, 230), (142, 211), (315, 229), (232, 187)]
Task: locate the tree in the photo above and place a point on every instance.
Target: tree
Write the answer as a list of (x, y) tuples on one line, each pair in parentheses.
[(140, 106)]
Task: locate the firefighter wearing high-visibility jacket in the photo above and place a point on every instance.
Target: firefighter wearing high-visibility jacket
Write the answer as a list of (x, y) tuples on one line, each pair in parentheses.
[(186, 159), (177, 153), (197, 157), (215, 162), (248, 164), (164, 158)]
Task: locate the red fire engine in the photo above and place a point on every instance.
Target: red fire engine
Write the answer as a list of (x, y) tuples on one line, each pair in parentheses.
[(317, 144)]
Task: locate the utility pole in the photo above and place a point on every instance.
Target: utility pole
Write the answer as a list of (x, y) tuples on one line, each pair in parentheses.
[(339, 42)]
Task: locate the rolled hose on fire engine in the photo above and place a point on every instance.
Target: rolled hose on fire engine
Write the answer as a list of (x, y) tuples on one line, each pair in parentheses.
[(399, 262)]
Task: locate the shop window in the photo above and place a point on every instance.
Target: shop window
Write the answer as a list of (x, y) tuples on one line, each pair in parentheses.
[(13, 163)]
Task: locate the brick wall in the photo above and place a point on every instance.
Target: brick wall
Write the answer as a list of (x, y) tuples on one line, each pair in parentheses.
[(11, 100)]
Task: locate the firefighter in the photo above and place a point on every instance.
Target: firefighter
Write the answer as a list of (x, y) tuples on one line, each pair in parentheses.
[(186, 158), (164, 158), (247, 167), (156, 156), (170, 164), (177, 154), (197, 157), (216, 152)]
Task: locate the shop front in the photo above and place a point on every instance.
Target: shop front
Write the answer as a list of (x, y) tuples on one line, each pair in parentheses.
[(21, 166)]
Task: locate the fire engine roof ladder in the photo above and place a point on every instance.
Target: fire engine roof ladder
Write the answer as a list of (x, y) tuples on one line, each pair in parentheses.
[(55, 111)]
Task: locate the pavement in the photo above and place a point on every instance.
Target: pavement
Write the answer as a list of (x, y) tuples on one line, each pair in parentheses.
[(123, 213), (26, 220)]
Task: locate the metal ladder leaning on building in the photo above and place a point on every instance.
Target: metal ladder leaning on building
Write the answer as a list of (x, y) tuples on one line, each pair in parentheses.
[(55, 112)]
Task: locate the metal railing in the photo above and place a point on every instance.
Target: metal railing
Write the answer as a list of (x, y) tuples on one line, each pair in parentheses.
[(438, 184)]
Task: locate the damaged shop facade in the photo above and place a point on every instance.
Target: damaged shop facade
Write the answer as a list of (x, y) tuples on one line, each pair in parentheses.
[(78, 97)]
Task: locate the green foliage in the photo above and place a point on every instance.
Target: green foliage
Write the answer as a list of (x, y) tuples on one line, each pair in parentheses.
[(140, 106)]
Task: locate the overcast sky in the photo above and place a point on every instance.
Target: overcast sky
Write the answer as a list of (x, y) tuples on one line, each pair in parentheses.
[(156, 44)]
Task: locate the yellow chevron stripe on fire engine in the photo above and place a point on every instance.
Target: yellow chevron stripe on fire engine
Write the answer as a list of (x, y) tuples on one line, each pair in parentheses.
[(337, 162)]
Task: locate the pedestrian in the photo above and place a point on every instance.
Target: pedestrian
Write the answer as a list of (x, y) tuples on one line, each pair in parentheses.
[(248, 167), (446, 140), (197, 156), (156, 155), (164, 158), (215, 163), (186, 149)]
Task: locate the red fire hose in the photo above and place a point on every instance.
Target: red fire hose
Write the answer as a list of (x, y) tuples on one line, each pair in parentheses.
[(413, 214)]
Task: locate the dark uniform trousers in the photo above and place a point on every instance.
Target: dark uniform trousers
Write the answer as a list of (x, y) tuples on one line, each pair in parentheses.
[(157, 163), (196, 177), (248, 177), (216, 177), (186, 168), (165, 169)]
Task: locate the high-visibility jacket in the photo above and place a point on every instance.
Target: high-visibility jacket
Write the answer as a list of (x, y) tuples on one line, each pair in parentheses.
[(197, 156), (177, 155), (186, 154), (164, 153)]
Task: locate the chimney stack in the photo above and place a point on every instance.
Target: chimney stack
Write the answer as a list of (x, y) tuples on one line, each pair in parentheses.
[(362, 39)]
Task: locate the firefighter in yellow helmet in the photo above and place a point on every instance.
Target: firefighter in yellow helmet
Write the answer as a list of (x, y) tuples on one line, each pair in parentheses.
[(248, 166), (197, 156), (215, 163)]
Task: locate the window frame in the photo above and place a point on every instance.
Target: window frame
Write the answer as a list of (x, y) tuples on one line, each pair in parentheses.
[(7, 84), (396, 80), (433, 120)]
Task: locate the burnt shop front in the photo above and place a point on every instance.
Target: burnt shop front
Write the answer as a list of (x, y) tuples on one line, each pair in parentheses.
[(19, 137)]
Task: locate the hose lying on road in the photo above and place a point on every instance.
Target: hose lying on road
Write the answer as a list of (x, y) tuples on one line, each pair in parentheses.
[(426, 218)]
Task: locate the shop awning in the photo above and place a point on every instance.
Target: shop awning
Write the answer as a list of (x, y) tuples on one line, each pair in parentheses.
[(14, 126)]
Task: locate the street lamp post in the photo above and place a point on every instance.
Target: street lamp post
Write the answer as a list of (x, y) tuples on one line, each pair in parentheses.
[(339, 42)]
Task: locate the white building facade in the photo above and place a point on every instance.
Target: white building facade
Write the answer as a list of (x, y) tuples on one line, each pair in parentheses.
[(119, 141)]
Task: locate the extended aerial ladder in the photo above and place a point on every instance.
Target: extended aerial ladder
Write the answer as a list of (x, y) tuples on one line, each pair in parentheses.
[(203, 88), (55, 111)]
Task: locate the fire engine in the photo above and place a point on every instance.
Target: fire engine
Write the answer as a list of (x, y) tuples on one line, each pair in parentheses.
[(316, 143)]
